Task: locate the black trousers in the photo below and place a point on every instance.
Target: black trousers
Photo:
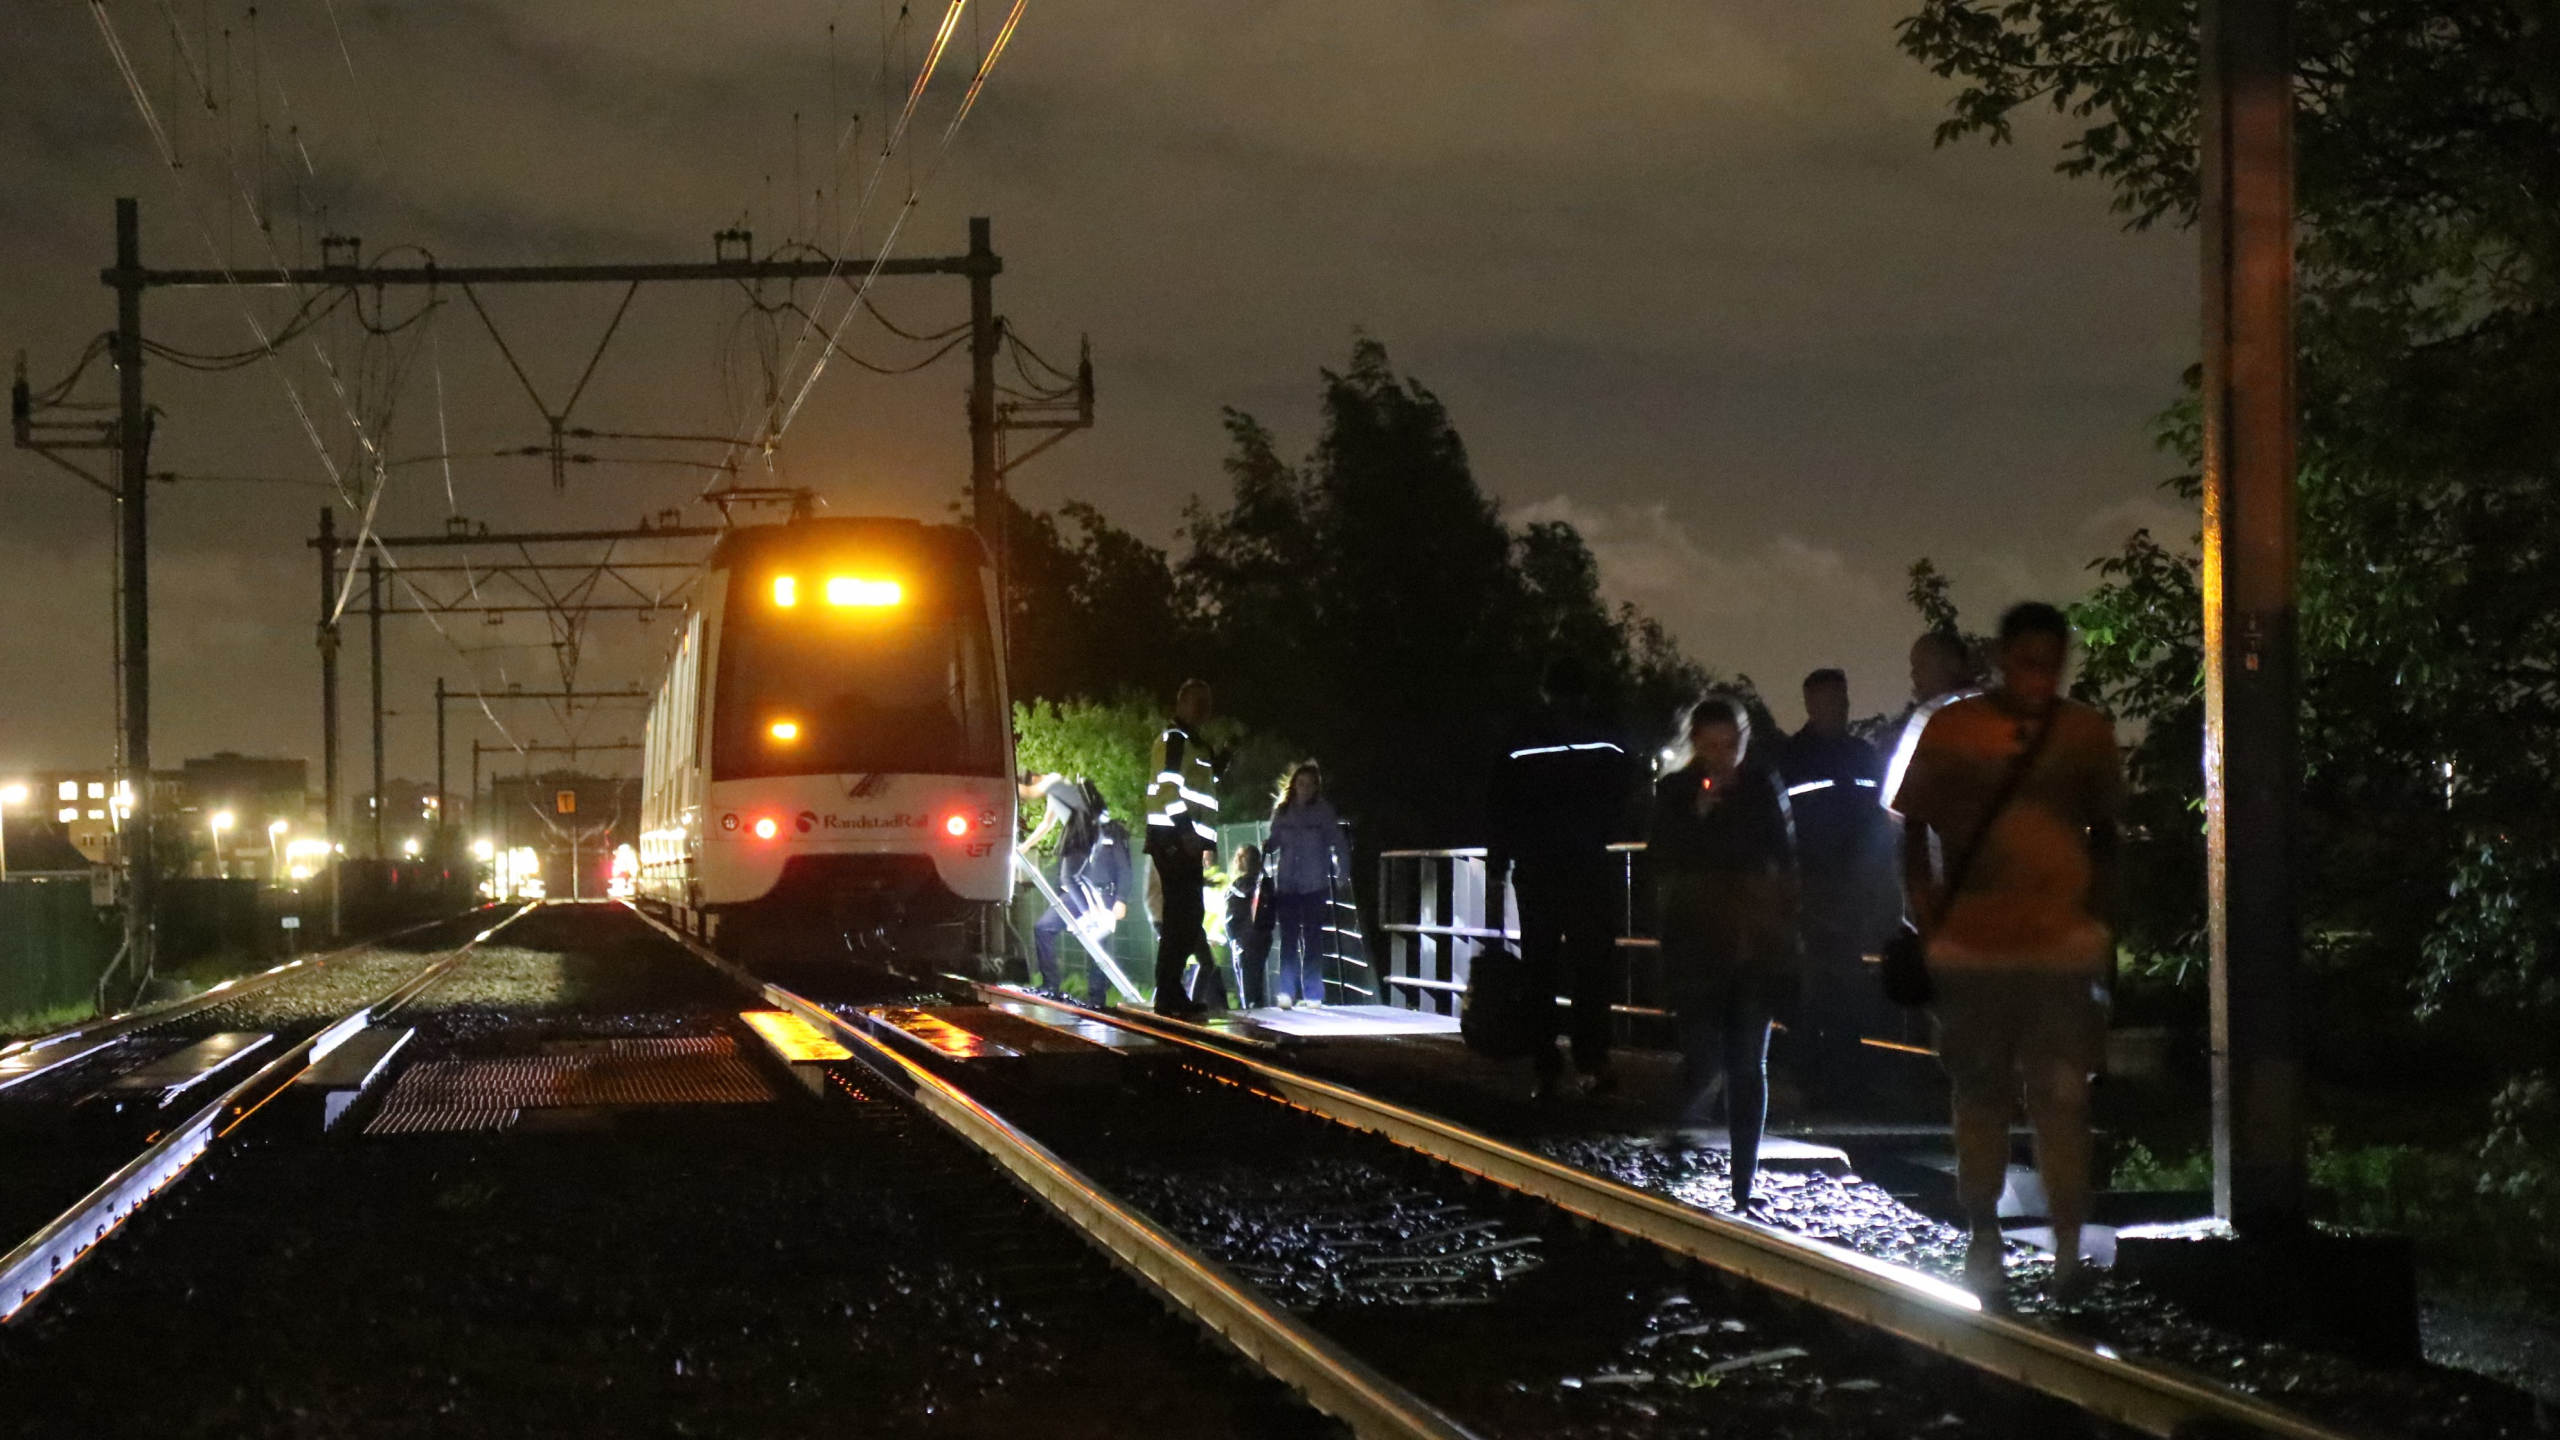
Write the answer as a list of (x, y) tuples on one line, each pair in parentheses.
[(1569, 941), (1182, 935)]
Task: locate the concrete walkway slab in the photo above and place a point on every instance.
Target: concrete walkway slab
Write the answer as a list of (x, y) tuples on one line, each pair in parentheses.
[(1365, 1021)]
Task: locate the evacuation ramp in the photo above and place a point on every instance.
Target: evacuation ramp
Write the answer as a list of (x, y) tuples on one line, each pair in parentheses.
[(441, 1095)]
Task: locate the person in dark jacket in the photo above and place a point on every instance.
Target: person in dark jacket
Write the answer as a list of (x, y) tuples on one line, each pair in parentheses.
[(1722, 851), (1075, 811), (1251, 914), (1105, 882), (1562, 793), (1844, 851), (1182, 820)]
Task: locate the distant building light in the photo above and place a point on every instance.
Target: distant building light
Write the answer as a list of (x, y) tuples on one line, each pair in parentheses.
[(70, 790), (69, 814), (97, 814), (410, 848), (97, 789)]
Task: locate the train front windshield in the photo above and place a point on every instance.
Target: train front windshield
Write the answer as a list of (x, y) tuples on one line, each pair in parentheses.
[(854, 674)]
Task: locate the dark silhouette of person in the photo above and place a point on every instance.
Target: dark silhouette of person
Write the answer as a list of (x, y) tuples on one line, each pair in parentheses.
[(1561, 794), (1834, 785), (1182, 832)]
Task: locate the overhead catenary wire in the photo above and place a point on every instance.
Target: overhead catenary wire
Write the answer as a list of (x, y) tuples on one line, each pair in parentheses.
[(776, 424), (968, 102), (151, 121)]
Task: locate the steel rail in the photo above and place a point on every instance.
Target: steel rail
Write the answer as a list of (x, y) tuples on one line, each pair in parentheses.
[(1327, 1376), (22, 1060), (2144, 1395), (45, 1256)]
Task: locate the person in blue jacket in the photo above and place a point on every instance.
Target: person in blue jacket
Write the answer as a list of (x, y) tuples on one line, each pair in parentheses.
[(1310, 854)]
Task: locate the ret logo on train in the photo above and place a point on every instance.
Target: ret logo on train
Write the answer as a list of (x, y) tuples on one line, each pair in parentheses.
[(830, 753)]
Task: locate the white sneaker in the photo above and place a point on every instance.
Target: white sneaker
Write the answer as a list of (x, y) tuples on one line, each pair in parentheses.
[(1286, 1003)]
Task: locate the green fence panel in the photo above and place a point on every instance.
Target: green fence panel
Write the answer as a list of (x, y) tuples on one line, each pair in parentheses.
[(54, 944)]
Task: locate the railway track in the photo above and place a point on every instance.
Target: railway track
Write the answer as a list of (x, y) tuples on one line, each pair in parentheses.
[(183, 1125), (1404, 1276), (34, 1057), (2015, 1378), (2145, 1397), (1862, 1296), (631, 1257)]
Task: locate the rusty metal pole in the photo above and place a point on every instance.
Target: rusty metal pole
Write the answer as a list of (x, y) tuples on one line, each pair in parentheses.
[(133, 463), (373, 620), (2252, 761), (984, 507), (327, 545)]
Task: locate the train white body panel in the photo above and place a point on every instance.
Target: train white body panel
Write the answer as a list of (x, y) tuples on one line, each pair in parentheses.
[(815, 815), (830, 748)]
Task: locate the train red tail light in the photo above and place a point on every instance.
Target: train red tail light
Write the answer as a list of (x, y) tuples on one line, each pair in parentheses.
[(955, 825), (767, 828)]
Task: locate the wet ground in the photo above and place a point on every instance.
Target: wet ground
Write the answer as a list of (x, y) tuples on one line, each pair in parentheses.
[(1602, 1135), (1502, 1311), (59, 1149), (795, 1267)]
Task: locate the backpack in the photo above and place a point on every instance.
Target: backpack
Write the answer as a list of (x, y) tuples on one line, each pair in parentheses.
[(1499, 1019), (1084, 821)]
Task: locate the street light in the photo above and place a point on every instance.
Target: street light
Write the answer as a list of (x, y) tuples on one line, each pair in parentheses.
[(222, 820), (9, 795)]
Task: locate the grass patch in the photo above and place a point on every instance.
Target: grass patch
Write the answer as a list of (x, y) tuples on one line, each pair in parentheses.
[(39, 1022), (2139, 1169), (2482, 1208)]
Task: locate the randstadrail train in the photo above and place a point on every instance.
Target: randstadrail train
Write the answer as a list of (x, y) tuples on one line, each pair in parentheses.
[(829, 757)]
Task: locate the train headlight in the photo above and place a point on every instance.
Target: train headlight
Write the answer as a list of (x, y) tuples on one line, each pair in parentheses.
[(785, 731), (848, 590), (766, 829), (786, 591), (955, 826)]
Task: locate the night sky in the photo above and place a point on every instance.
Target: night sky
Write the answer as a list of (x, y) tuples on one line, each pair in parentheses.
[(1688, 275)]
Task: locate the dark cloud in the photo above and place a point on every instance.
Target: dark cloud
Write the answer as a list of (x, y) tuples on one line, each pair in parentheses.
[(1691, 276)]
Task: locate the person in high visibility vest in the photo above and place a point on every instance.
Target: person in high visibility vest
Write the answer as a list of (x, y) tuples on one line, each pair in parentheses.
[(1182, 832)]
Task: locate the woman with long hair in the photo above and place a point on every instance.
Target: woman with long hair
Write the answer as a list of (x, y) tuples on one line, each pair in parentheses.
[(1722, 850), (1308, 852)]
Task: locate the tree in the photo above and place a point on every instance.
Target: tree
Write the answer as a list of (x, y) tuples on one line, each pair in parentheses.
[(1094, 611), (1372, 604), (2428, 197)]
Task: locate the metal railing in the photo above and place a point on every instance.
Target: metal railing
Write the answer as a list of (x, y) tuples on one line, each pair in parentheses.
[(1434, 910)]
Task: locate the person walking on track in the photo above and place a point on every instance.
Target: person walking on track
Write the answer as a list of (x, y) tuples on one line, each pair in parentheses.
[(1721, 847), (2022, 789), (1182, 832), (1565, 789), (1844, 854), (1310, 855)]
